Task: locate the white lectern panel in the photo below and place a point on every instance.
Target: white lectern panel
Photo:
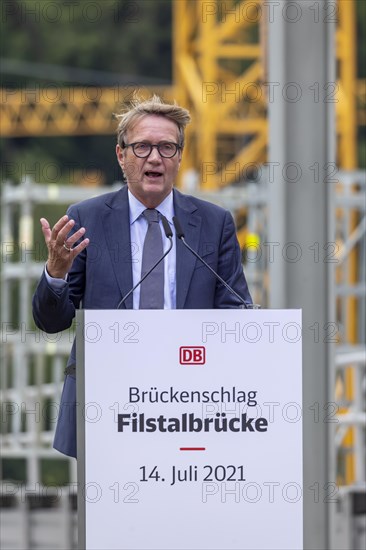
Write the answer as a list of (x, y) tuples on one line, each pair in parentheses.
[(193, 429)]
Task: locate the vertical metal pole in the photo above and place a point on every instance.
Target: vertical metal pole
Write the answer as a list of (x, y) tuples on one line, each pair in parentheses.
[(277, 155), (301, 65), (23, 356), (330, 225), (348, 148)]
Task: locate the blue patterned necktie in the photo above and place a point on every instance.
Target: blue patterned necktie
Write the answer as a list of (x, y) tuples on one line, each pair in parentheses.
[(152, 288)]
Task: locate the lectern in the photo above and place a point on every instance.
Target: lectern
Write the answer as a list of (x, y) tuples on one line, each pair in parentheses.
[(189, 429)]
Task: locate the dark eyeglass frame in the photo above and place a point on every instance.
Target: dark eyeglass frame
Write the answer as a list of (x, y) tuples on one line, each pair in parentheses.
[(150, 148)]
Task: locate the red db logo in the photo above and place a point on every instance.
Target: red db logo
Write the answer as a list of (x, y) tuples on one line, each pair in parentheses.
[(192, 355)]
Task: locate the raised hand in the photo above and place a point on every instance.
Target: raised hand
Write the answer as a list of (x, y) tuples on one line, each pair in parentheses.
[(61, 252)]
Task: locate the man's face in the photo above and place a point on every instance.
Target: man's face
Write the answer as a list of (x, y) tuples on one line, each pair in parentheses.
[(150, 179)]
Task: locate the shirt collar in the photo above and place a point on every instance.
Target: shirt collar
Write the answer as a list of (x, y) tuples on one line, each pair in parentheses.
[(137, 208)]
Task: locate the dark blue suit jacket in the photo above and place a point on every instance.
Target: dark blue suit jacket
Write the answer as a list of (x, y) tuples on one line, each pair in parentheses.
[(102, 274)]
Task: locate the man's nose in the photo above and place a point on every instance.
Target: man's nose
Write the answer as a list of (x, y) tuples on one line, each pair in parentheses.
[(154, 155)]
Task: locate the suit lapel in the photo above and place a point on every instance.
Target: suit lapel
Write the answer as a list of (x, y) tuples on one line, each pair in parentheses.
[(185, 262), (116, 223)]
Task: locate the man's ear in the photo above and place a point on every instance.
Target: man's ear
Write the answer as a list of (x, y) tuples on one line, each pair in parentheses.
[(120, 156)]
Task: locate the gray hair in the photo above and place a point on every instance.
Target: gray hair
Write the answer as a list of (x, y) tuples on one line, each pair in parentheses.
[(139, 108)]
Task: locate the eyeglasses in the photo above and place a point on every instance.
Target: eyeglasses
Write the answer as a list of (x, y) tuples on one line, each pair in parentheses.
[(141, 149)]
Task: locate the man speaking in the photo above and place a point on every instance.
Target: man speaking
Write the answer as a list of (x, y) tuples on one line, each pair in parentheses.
[(102, 248)]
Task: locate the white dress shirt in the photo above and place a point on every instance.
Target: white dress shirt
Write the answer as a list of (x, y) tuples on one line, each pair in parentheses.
[(138, 230)]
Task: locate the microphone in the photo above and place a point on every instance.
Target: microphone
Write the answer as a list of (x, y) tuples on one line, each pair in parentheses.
[(169, 235), (180, 235)]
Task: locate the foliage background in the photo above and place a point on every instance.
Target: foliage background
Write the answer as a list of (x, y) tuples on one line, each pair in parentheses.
[(80, 43)]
